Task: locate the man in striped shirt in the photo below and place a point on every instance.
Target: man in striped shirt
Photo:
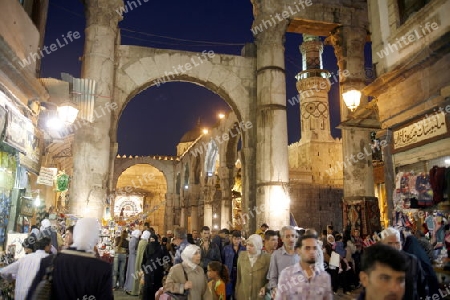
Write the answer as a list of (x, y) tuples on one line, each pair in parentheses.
[(303, 281)]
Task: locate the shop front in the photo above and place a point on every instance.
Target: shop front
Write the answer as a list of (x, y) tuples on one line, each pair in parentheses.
[(421, 157), (21, 147)]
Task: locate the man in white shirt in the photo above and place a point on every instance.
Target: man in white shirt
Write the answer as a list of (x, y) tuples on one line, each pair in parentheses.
[(24, 270)]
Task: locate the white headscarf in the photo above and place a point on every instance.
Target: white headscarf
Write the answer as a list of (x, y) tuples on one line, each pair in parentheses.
[(256, 241), (330, 236), (145, 235), (136, 233), (86, 234), (188, 253), (45, 223)]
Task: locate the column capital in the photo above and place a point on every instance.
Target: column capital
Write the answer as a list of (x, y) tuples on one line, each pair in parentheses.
[(268, 26), (348, 42), (272, 34), (103, 12)]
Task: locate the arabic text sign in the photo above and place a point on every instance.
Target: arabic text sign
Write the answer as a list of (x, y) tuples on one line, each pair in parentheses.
[(427, 128), (47, 176)]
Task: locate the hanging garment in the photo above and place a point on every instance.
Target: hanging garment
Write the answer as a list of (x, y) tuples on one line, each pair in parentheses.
[(423, 187), (398, 179), (447, 183), (437, 182), (404, 184), (412, 186)]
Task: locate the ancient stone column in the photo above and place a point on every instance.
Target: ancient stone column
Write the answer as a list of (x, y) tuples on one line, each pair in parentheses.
[(226, 180), (272, 152), (208, 215), (183, 217), (348, 43), (91, 146), (169, 212), (388, 165), (194, 218)]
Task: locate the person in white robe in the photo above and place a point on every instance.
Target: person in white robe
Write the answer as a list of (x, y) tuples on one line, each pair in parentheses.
[(139, 257), (129, 279), (24, 270)]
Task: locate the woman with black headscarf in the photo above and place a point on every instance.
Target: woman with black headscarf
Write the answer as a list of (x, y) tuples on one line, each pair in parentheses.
[(153, 267)]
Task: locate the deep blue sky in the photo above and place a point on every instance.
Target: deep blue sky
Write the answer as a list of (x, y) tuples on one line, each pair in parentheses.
[(154, 121)]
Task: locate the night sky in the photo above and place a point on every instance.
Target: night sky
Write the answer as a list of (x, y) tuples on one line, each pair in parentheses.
[(155, 120)]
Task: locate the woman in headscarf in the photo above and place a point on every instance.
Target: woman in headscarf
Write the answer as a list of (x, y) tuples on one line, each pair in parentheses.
[(135, 234), (76, 271), (139, 258), (252, 268), (152, 265), (188, 275)]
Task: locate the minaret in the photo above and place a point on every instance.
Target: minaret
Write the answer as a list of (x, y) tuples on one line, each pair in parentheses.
[(313, 86)]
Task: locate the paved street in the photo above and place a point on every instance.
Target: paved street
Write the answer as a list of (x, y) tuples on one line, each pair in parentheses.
[(120, 295)]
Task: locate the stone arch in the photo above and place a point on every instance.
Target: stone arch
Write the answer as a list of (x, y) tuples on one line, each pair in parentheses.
[(231, 77), (165, 166)]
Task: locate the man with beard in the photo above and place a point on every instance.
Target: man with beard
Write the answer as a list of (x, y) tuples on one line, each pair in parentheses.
[(153, 267), (209, 250), (303, 281), (383, 273)]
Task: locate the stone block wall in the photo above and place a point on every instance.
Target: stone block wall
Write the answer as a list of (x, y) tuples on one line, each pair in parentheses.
[(316, 206)]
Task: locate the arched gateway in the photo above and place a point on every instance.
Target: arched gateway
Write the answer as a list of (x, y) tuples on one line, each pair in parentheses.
[(253, 84)]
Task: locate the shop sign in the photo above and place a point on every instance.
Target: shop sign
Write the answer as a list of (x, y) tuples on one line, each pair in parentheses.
[(47, 176), (26, 138), (18, 130), (423, 130), (33, 154), (131, 205)]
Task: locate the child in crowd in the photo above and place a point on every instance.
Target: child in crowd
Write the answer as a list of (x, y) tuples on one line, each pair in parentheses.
[(159, 295), (218, 276)]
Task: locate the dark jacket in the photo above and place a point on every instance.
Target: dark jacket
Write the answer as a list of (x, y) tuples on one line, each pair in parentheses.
[(227, 259), (212, 254), (415, 285), (76, 274), (412, 246)]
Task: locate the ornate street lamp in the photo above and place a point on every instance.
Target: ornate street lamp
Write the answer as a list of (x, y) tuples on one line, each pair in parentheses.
[(352, 99)]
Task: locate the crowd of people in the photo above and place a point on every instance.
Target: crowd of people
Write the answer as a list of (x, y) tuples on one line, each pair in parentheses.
[(291, 263)]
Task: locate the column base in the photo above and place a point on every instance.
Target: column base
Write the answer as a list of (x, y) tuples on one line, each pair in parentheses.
[(363, 213)]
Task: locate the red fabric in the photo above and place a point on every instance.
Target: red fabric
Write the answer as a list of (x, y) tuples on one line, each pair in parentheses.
[(437, 182)]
